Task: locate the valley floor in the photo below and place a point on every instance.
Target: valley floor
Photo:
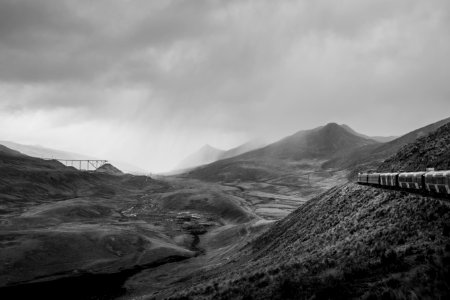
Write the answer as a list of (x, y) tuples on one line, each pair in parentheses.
[(69, 227)]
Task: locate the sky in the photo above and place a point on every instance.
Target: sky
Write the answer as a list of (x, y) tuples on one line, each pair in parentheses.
[(149, 82)]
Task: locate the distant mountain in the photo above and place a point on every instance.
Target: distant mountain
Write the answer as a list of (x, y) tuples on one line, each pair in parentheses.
[(43, 152), (249, 146), (321, 142), (202, 156), (208, 154), (381, 139), (430, 151), (282, 157)]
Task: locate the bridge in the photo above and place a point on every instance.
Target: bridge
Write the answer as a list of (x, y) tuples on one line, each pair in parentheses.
[(81, 164)]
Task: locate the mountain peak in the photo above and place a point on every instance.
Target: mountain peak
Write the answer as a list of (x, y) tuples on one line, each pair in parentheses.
[(205, 155), (333, 125)]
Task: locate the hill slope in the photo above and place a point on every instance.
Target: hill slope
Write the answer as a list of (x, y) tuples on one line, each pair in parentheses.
[(431, 151), (7, 151), (371, 156), (109, 169), (350, 242)]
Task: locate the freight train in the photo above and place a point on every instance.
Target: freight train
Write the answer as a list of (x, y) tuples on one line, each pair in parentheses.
[(431, 182)]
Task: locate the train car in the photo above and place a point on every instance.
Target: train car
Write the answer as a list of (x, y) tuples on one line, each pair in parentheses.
[(362, 177), (411, 180), (373, 178), (438, 182), (389, 179)]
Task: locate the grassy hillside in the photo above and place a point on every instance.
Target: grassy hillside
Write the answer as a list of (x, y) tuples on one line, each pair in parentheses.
[(431, 151), (62, 229), (370, 157), (351, 242)]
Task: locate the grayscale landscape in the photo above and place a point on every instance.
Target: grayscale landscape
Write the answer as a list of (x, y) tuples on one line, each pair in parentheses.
[(224, 150)]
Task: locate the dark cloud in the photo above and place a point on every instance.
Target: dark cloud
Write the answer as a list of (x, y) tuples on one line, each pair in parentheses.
[(199, 70)]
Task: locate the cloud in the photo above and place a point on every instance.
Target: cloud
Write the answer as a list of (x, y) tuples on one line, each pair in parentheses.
[(181, 73)]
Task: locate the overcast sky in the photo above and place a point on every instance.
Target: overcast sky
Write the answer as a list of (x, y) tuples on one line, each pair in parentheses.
[(148, 82)]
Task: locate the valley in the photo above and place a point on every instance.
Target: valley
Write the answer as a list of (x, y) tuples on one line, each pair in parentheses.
[(283, 221)]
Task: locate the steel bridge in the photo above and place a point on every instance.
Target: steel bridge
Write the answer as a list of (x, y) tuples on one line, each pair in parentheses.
[(81, 164)]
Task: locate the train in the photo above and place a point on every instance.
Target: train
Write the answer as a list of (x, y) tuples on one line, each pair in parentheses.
[(429, 182)]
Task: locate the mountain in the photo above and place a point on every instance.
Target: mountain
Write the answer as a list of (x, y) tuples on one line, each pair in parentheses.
[(208, 154), (321, 142), (371, 156), (204, 155), (43, 152), (381, 139), (246, 147), (430, 151), (303, 150)]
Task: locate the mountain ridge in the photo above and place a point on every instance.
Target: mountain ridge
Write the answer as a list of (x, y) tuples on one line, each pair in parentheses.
[(320, 143)]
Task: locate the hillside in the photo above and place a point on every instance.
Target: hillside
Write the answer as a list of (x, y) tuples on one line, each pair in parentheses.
[(7, 151), (371, 156), (109, 169), (431, 151), (350, 242), (62, 229)]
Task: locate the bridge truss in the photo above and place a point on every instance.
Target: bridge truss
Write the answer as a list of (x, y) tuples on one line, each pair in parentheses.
[(82, 164)]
